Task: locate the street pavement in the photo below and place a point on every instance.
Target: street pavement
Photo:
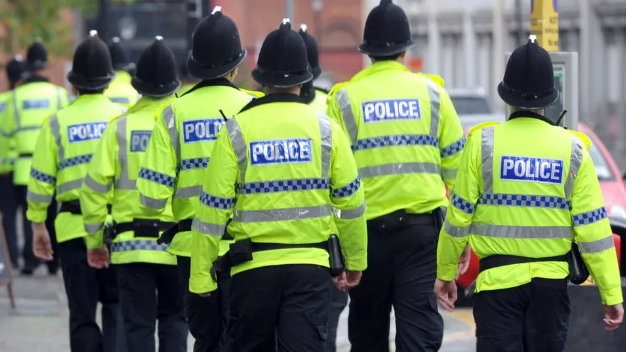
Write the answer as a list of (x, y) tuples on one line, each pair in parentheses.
[(40, 321)]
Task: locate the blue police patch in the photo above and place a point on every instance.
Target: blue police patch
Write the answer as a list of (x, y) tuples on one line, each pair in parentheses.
[(390, 110), (85, 131), (281, 151), (2, 107), (119, 100), (520, 168), (36, 104), (139, 140), (201, 130)]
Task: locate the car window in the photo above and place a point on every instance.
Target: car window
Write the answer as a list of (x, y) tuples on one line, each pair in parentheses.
[(602, 167), (470, 105)]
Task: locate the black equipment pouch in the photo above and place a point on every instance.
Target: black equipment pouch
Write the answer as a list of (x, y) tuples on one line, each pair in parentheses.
[(336, 257), (72, 207), (168, 235), (438, 218), (578, 271), (240, 252), (109, 234), (144, 227)]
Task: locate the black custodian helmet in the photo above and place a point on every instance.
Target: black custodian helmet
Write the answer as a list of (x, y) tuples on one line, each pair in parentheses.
[(91, 67), (283, 59), (36, 56), (387, 31), (156, 71), (312, 51), (15, 69), (119, 59), (529, 78), (216, 47)]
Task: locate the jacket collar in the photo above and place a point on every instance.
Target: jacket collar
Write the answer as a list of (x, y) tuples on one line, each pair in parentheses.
[(146, 102), (122, 77), (35, 78), (380, 66), (530, 114), (273, 98), (212, 83)]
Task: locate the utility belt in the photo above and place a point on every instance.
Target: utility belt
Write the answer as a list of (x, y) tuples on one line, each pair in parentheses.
[(142, 227), (184, 226), (400, 219), (25, 155), (73, 207), (241, 252), (578, 271)]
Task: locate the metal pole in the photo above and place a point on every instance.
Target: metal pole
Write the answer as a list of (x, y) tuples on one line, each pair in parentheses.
[(498, 48), (518, 20), (194, 15), (103, 14), (289, 10)]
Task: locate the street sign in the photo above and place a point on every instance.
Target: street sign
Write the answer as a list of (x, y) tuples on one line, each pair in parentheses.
[(6, 276), (544, 23)]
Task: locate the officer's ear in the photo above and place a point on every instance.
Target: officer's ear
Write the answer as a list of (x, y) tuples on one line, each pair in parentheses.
[(402, 55)]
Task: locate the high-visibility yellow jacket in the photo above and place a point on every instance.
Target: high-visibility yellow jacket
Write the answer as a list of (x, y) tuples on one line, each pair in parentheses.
[(526, 188), (30, 105), (405, 135), (115, 166), (180, 148), (120, 91), (184, 89), (62, 155), (320, 101), (280, 168), (8, 154)]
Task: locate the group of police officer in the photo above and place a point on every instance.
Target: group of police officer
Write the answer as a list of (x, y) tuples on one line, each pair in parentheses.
[(218, 214)]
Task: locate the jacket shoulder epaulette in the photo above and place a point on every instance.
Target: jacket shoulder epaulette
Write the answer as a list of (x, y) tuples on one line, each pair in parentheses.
[(116, 118), (435, 78), (583, 138), (481, 126), (337, 87)]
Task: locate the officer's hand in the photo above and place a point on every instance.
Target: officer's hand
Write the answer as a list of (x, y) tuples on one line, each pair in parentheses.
[(613, 316), (464, 261), (41, 242), (353, 278), (98, 258), (446, 293)]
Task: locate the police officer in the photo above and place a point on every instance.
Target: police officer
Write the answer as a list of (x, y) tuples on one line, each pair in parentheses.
[(520, 203), (121, 90), (188, 81), (179, 151), (312, 95), (406, 138), (147, 276), (8, 154), (63, 152), (33, 101), (316, 98), (281, 167)]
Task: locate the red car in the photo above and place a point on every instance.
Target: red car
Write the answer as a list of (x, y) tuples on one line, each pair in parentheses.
[(613, 191)]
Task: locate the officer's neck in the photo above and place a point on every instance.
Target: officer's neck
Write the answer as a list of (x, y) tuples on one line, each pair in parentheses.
[(294, 90)]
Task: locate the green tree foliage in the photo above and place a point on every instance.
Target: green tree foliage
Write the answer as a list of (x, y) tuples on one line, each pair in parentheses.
[(25, 20)]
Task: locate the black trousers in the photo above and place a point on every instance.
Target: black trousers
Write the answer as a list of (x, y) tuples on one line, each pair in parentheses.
[(150, 293), (85, 287), (206, 316), (338, 302), (30, 261), (284, 307), (529, 318), (401, 272), (8, 208)]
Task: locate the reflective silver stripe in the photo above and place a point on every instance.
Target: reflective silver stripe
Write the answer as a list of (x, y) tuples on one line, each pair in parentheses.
[(187, 192), (574, 166), (96, 186), (69, 186), (486, 153), (152, 203), (206, 228), (16, 111), (93, 229), (59, 98), (348, 115), (124, 182), (448, 174), (435, 105), (350, 214), (56, 132), (38, 198), (170, 122), (282, 214), (455, 231), (236, 139), (522, 232), (326, 134), (398, 169), (596, 246)]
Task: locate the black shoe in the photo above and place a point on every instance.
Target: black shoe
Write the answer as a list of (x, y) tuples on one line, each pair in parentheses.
[(28, 271), (53, 271)]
